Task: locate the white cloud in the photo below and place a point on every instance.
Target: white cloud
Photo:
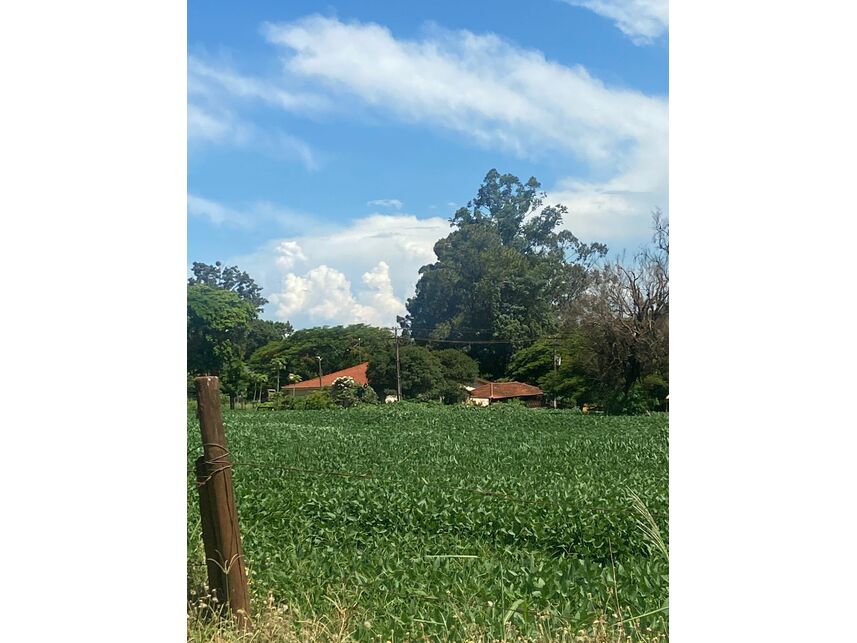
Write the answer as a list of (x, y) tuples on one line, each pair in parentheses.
[(641, 20), (222, 127), (260, 212), (217, 127), (479, 85), (501, 96), (381, 299), (216, 213), (324, 295), (289, 252), (386, 203), (291, 146), (205, 79), (213, 94), (362, 271)]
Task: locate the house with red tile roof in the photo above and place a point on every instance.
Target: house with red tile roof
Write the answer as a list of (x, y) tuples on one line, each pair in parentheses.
[(498, 391), (358, 373)]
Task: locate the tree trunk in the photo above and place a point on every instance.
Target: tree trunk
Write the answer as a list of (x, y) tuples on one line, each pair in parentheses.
[(632, 374)]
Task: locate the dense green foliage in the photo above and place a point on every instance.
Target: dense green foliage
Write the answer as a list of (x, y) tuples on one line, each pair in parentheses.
[(345, 393), (217, 323), (223, 328), (421, 372), (460, 510), (457, 366), (519, 296), (229, 278), (338, 346), (501, 274), (558, 367)]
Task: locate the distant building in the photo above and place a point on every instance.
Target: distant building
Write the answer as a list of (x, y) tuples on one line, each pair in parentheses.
[(498, 391), (312, 384)]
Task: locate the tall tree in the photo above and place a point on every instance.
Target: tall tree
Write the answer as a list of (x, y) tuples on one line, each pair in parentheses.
[(625, 317), (229, 278), (217, 325), (502, 273)]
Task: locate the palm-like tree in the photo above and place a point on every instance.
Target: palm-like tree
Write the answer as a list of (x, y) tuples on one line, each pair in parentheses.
[(278, 363)]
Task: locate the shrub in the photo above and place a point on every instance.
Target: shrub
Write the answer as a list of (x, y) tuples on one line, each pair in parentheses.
[(343, 392), (366, 395), (452, 392), (508, 404), (315, 401), (655, 389)]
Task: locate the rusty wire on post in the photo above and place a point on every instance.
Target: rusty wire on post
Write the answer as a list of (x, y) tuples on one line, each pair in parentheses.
[(218, 512)]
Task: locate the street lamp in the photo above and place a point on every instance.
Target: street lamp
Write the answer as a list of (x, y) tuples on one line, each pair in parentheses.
[(318, 357)]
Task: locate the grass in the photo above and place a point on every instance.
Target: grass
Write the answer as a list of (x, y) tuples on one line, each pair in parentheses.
[(465, 524), (274, 623)]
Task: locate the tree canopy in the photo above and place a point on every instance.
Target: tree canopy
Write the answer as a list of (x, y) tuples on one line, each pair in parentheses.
[(217, 325), (558, 367), (229, 278), (223, 304), (458, 367), (339, 347), (501, 274), (624, 319), (514, 292), (421, 372)]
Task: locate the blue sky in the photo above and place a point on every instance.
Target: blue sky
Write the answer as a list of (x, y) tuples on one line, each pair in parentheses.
[(328, 144)]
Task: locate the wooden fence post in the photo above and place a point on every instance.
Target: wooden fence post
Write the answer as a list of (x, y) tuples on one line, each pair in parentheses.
[(209, 541), (221, 518)]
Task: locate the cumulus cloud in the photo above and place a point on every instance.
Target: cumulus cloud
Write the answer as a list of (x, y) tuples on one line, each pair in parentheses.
[(380, 297), (325, 295), (502, 96), (641, 20), (288, 253), (482, 87), (362, 271)]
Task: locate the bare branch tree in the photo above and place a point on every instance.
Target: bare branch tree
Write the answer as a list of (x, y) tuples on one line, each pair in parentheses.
[(625, 314)]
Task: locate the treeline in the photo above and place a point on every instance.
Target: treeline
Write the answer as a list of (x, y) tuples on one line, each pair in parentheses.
[(512, 296)]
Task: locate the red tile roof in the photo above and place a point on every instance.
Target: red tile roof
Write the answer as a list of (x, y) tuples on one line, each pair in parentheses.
[(357, 372), (501, 390)]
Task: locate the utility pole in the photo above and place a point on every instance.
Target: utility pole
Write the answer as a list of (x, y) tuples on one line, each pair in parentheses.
[(557, 360), (398, 368), (318, 357)]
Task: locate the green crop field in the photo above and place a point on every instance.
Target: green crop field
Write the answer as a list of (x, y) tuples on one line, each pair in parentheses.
[(463, 517)]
